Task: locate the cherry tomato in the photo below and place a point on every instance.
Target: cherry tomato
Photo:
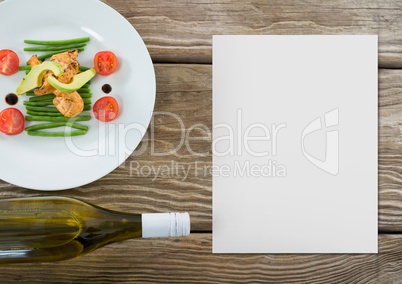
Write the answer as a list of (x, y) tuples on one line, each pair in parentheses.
[(106, 109), (11, 121), (105, 62), (9, 62)]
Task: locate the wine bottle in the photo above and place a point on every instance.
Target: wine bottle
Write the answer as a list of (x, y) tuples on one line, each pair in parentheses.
[(44, 229)]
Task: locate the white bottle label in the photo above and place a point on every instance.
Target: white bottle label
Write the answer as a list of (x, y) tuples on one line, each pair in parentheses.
[(165, 225)]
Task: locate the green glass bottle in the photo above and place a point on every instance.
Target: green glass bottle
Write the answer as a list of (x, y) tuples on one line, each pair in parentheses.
[(44, 229)]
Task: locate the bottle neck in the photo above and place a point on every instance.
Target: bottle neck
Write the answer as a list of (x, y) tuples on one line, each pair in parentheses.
[(156, 225)]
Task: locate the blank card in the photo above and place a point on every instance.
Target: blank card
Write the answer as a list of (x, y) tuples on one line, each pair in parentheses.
[(295, 122)]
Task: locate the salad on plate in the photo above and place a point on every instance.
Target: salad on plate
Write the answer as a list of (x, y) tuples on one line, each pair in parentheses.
[(58, 89)]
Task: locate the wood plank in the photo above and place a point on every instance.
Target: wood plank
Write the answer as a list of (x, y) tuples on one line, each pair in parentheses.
[(185, 91), (186, 37), (190, 260), (390, 151)]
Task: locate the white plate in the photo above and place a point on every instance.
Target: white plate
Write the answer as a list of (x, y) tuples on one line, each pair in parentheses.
[(56, 163)]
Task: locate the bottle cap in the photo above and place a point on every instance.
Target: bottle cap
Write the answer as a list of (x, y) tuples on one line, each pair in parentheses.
[(165, 225)]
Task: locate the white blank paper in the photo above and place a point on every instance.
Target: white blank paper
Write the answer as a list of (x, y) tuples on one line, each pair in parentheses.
[(295, 144)]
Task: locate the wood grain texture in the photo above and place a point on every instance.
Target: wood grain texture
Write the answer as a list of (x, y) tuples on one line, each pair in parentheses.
[(184, 100), (190, 260), (390, 151), (181, 30)]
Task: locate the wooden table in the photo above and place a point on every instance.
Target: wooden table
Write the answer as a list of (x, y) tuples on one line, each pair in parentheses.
[(178, 35)]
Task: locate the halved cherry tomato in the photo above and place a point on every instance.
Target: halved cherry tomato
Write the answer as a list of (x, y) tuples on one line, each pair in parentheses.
[(9, 62), (106, 109), (105, 62), (11, 121)]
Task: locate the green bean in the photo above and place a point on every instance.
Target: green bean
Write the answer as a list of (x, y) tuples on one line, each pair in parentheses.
[(84, 113), (54, 47), (57, 119), (47, 55), (86, 95), (56, 124), (57, 42), (87, 107), (44, 113), (84, 90), (56, 134), (30, 94), (24, 68), (43, 109), (40, 103), (83, 68), (42, 98)]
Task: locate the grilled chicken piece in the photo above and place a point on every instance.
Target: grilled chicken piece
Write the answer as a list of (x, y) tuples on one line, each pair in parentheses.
[(46, 88), (68, 61), (69, 104), (33, 61)]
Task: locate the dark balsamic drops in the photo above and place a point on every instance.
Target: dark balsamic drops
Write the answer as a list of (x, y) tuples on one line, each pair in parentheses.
[(106, 88), (11, 99)]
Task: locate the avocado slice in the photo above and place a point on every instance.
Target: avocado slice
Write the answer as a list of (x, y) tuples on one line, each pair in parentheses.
[(76, 83), (34, 78)]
